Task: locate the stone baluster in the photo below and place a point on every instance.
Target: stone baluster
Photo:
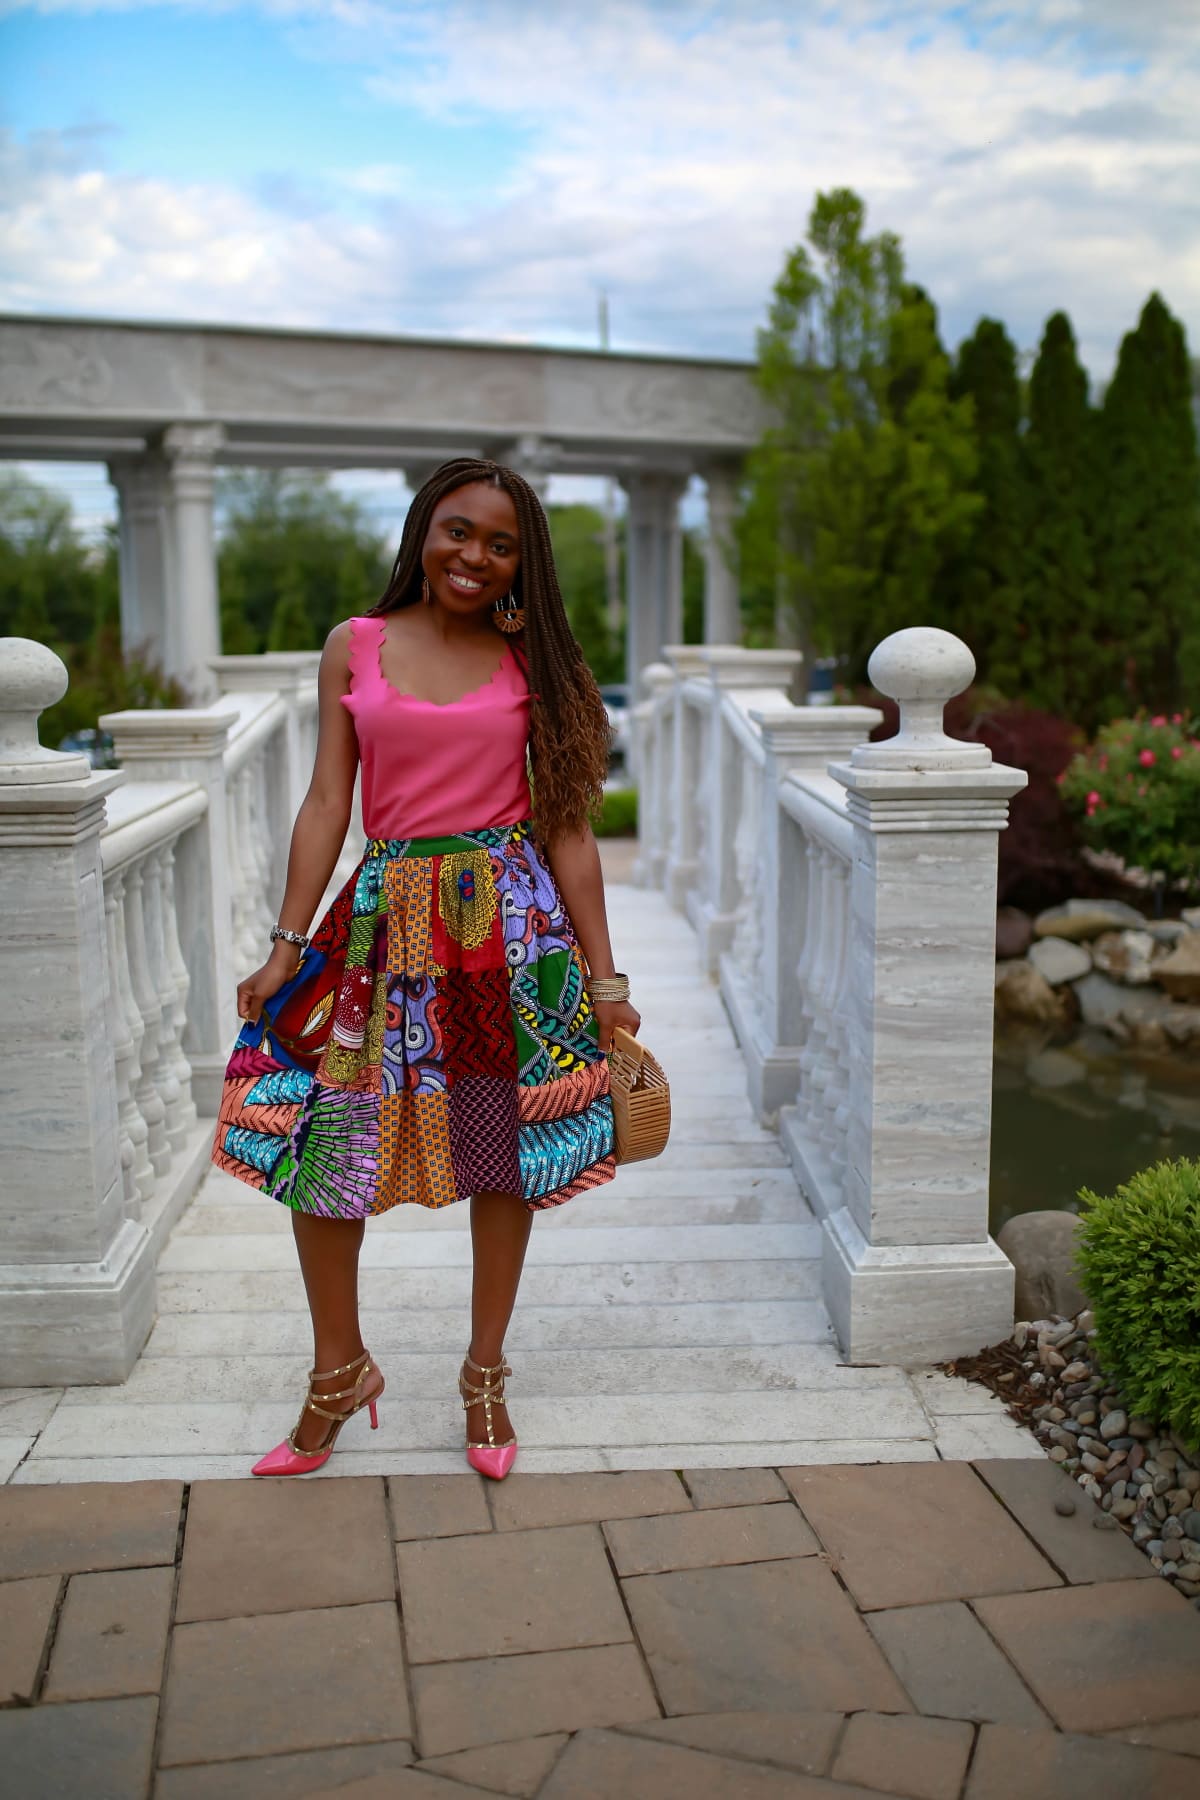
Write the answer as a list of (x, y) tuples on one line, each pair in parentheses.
[(151, 1075), (76, 1271), (687, 770), (762, 676), (797, 741), (124, 1056), (190, 746), (292, 675), (747, 852), (139, 1131), (649, 722), (911, 1274), (173, 987)]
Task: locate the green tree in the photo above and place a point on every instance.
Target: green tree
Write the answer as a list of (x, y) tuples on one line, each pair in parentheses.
[(577, 534), (982, 589), (292, 624), (289, 535), (693, 588), (1064, 656), (1148, 525), (862, 486), (53, 586)]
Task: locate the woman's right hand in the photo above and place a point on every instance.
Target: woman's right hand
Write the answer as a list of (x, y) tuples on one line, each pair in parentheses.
[(265, 983)]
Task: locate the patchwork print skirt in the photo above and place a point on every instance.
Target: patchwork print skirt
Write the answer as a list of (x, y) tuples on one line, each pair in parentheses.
[(437, 1041)]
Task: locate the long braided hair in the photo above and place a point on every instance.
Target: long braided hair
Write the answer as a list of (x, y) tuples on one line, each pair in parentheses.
[(568, 725)]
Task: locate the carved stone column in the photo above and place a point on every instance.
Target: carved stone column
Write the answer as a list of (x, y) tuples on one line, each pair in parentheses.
[(653, 569), (536, 458), (910, 1272), (722, 616), (193, 620), (76, 1272), (141, 484)]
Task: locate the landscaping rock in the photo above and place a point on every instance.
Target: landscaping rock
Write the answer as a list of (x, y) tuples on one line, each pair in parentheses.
[(1083, 919), (1127, 956), (1025, 996), (1014, 932), (1055, 1069), (1182, 1028), (1059, 960), (1179, 973), (1041, 1248), (1100, 1000)]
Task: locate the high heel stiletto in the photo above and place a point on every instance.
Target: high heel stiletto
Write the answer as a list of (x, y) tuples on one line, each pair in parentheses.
[(491, 1459), (287, 1458)]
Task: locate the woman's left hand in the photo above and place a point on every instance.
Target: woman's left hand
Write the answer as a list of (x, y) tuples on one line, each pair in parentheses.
[(611, 1013)]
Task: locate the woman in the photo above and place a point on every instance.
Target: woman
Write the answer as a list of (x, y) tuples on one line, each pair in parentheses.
[(442, 1033)]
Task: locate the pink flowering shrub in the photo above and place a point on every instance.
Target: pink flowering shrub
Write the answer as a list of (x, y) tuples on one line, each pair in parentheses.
[(1136, 792)]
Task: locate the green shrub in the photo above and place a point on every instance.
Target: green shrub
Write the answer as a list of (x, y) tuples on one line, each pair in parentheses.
[(618, 814), (1136, 791), (1140, 1257)]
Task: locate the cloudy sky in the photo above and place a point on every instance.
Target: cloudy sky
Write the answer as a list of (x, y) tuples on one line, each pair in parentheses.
[(488, 168)]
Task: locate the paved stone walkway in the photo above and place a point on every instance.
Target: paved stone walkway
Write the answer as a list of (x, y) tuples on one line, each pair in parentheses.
[(779, 1634), (673, 1319)]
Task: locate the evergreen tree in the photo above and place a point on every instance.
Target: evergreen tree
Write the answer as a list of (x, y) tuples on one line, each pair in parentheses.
[(1149, 520), (292, 624), (862, 486), (981, 591), (1065, 660)]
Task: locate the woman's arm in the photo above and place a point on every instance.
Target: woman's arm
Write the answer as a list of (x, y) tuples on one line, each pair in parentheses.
[(574, 860), (321, 823)]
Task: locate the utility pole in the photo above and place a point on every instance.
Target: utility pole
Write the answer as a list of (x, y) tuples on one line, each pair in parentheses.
[(612, 559)]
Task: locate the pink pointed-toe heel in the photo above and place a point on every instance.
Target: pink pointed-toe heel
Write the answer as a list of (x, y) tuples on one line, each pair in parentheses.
[(287, 1458), (491, 1459)]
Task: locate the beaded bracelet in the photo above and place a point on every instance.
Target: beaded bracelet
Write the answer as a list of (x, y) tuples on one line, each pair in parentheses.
[(289, 937), (608, 987)]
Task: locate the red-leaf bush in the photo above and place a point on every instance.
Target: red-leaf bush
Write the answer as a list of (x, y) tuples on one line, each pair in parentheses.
[(1039, 851)]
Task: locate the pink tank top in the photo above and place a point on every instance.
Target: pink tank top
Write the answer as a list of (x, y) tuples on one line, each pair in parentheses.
[(429, 770)]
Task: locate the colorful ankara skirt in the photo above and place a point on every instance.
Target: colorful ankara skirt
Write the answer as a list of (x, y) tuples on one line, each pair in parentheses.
[(437, 1041)]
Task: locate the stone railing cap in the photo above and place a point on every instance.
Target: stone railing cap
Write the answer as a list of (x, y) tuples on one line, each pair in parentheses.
[(32, 678), (921, 669)]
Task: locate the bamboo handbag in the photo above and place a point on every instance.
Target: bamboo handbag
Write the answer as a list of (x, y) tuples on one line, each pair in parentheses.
[(641, 1099)]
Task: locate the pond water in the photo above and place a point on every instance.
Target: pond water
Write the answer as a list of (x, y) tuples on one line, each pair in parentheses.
[(1082, 1114)]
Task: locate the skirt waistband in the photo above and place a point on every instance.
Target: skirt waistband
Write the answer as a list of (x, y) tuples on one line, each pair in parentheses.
[(489, 837)]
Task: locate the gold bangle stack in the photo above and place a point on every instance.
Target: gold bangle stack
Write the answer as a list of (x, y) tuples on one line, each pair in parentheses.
[(608, 987)]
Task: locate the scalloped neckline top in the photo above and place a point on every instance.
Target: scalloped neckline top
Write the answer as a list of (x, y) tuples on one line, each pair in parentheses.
[(417, 699)]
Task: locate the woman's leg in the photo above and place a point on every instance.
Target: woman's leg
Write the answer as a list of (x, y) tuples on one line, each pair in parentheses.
[(328, 1250), (499, 1234)]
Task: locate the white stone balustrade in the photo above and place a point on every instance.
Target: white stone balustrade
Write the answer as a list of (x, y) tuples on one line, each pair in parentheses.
[(132, 902), (844, 895)]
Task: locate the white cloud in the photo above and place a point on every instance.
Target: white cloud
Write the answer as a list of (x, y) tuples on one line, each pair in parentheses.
[(1049, 157)]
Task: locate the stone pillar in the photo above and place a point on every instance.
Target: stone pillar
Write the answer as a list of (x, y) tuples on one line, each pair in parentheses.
[(534, 457), (141, 484), (286, 673), (687, 799), (193, 619), (722, 615), (189, 745), (76, 1272), (653, 570), (911, 1274)]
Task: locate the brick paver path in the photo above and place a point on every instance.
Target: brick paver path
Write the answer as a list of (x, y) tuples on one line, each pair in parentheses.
[(923, 1630)]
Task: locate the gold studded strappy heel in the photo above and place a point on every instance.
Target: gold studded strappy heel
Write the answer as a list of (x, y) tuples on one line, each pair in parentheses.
[(491, 1459), (287, 1458)]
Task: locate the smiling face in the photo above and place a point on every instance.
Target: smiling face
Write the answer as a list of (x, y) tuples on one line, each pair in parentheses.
[(472, 549)]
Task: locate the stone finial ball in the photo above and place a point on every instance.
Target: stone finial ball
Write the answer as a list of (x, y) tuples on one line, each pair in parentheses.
[(921, 663), (31, 676)]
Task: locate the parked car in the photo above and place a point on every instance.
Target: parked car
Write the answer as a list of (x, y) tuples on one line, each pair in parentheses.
[(615, 696), (96, 745)]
